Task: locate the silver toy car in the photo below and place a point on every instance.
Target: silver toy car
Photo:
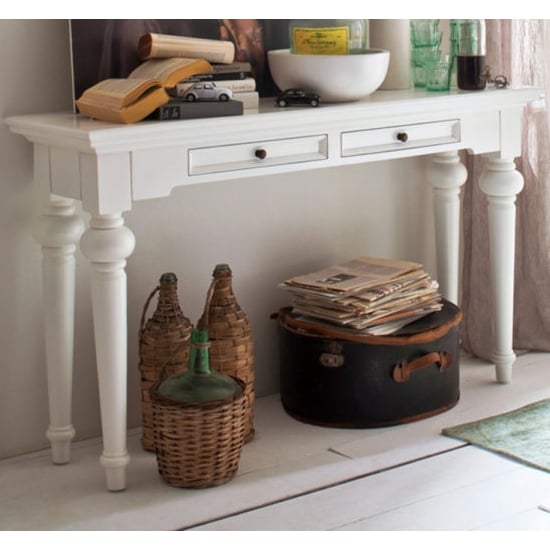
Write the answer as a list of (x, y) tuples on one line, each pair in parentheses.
[(207, 91)]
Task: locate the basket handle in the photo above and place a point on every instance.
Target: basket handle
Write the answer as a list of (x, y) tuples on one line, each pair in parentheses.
[(145, 307), (402, 371), (204, 321)]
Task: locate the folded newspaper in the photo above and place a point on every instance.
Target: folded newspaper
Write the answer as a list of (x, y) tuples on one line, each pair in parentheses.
[(366, 294)]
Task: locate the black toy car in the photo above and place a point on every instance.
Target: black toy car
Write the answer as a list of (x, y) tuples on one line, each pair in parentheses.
[(296, 96)]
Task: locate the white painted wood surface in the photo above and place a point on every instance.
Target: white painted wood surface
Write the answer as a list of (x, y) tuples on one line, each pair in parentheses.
[(447, 174), (107, 243), (463, 490), (295, 476), (58, 230), (501, 183), (108, 167)]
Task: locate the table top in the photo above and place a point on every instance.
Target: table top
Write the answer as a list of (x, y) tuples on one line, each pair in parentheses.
[(75, 131)]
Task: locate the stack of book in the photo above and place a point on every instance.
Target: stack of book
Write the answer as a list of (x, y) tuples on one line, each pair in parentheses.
[(220, 55), (368, 295), (167, 60), (236, 77)]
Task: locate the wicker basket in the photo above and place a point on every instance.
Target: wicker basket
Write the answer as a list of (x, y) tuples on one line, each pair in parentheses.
[(198, 444), (163, 347), (232, 349)]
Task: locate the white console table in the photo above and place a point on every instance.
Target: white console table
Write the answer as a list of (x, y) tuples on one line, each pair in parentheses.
[(108, 167)]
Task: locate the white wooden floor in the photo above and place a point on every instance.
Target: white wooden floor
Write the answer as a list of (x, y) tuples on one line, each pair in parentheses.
[(298, 477)]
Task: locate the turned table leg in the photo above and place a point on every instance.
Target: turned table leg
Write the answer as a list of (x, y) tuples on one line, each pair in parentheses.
[(107, 243), (501, 183), (58, 229), (447, 174)]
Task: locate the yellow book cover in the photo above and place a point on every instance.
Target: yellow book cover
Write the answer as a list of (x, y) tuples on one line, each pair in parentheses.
[(103, 106)]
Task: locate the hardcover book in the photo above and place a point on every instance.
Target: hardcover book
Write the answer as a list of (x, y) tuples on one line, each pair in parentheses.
[(235, 67), (231, 71), (179, 110), (222, 76), (154, 45), (250, 100)]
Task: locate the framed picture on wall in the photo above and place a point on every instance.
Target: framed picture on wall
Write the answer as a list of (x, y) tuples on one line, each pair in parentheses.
[(107, 48)]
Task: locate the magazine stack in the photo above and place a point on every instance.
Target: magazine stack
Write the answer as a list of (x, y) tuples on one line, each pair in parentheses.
[(367, 295)]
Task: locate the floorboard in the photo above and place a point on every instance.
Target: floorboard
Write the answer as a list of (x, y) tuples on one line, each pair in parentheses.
[(465, 489), (294, 476)]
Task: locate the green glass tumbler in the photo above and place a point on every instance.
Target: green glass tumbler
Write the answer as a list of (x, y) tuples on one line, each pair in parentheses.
[(425, 32), (438, 74), (420, 57)]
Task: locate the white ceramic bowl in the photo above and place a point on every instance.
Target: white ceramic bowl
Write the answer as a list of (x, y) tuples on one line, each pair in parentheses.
[(335, 78)]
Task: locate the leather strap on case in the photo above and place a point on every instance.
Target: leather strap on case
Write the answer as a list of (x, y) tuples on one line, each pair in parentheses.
[(402, 371)]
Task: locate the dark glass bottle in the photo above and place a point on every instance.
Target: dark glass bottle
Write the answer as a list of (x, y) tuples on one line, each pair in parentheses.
[(453, 44), (199, 383), (471, 65)]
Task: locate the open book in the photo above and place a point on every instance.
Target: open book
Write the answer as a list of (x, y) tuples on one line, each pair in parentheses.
[(128, 100)]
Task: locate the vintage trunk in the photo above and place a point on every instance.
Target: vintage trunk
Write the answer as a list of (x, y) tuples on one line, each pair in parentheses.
[(331, 377)]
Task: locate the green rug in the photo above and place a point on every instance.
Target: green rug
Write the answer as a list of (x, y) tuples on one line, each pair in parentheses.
[(522, 434)]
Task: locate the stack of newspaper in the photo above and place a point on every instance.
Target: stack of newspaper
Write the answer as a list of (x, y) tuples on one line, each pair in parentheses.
[(369, 295)]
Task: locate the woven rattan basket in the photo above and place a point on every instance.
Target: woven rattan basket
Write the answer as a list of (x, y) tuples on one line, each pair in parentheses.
[(198, 444), (163, 347)]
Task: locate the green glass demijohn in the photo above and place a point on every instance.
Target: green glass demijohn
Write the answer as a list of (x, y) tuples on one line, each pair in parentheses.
[(199, 383)]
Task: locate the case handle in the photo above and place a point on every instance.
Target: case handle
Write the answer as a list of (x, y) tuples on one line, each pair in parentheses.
[(402, 371)]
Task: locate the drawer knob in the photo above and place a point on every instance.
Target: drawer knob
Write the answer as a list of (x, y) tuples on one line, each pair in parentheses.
[(260, 153), (402, 137)]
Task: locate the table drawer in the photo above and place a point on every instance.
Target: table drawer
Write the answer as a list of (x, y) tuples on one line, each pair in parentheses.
[(395, 138), (226, 158)]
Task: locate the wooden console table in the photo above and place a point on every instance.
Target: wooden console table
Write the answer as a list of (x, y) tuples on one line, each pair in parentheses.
[(108, 167)]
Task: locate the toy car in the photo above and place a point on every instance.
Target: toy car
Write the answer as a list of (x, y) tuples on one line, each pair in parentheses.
[(297, 96), (207, 91)]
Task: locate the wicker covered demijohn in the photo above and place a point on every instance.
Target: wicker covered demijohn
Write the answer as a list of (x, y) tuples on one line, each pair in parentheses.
[(199, 420), (231, 349), (164, 342)]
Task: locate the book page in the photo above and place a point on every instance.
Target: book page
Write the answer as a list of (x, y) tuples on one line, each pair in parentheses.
[(170, 70), (118, 92)]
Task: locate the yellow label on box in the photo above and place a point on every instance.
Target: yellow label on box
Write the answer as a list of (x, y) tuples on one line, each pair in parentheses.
[(321, 41)]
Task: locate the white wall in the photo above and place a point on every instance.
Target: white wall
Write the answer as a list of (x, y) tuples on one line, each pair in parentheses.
[(267, 229)]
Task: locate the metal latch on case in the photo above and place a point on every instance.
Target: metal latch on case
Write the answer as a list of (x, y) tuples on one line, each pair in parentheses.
[(333, 356)]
